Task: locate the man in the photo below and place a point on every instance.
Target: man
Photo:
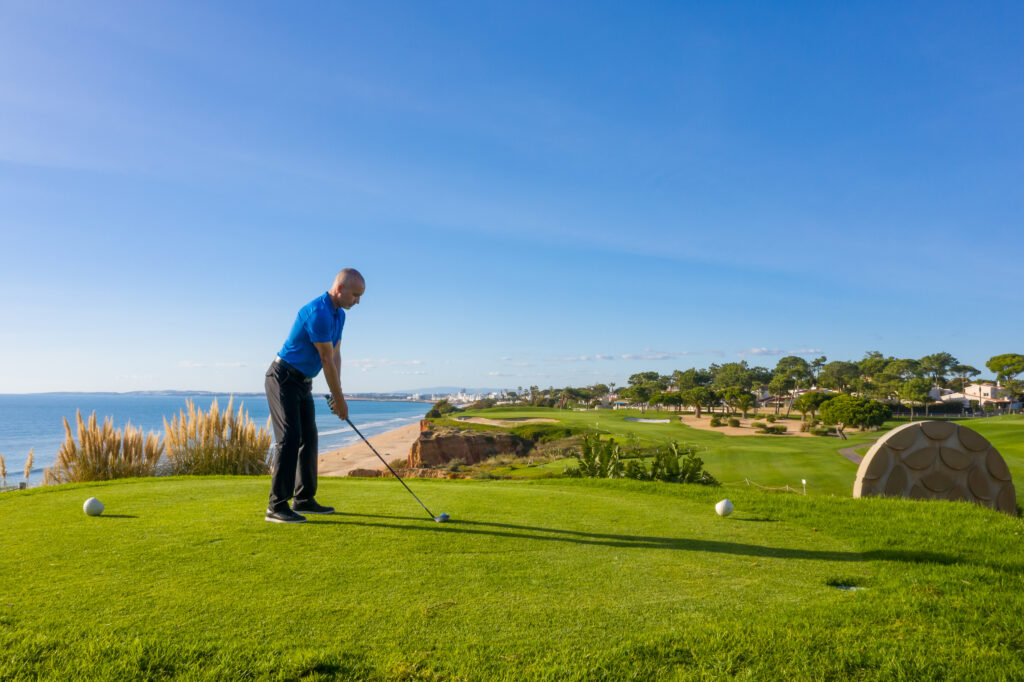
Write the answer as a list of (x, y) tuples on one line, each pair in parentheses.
[(313, 344)]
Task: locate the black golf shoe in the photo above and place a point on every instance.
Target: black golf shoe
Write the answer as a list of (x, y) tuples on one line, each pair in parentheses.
[(311, 507), (286, 515)]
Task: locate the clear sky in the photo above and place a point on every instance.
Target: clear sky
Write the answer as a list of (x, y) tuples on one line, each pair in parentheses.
[(537, 193)]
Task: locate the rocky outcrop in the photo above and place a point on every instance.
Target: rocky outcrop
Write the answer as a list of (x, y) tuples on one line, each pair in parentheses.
[(436, 448), (364, 473), (410, 473), (430, 473)]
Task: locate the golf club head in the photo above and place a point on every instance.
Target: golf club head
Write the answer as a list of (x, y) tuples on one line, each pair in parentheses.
[(441, 518)]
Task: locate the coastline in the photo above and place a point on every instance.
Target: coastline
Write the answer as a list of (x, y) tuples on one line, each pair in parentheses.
[(34, 421), (390, 444)]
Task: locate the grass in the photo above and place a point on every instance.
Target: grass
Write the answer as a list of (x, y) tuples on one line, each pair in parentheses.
[(769, 461), (555, 579), (103, 452), (216, 442)]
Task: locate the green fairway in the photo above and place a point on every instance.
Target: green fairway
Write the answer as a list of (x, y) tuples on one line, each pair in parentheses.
[(555, 579), (767, 461), (1007, 434)]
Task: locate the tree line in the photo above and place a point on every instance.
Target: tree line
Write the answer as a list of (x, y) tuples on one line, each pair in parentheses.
[(885, 379)]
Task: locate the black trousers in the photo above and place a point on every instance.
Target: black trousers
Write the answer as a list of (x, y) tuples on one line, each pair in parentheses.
[(293, 414)]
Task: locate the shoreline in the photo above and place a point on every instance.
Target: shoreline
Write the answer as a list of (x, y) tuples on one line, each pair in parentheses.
[(392, 444)]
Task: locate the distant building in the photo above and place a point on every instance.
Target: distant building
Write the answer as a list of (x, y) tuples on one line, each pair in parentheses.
[(982, 393)]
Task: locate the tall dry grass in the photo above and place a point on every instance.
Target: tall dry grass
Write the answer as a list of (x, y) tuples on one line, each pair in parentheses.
[(103, 453), (3, 472), (29, 462), (217, 442)]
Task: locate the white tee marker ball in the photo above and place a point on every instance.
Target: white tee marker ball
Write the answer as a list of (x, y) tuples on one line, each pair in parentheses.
[(93, 507), (724, 508)]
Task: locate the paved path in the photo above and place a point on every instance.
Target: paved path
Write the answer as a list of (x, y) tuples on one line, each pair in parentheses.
[(849, 453)]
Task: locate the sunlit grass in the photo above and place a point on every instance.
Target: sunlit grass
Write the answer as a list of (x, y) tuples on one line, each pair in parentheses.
[(550, 580), (769, 461)]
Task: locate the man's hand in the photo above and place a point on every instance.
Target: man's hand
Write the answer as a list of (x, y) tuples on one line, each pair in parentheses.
[(339, 407), (333, 404)]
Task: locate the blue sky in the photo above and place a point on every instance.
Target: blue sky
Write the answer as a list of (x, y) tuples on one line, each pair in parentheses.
[(537, 193)]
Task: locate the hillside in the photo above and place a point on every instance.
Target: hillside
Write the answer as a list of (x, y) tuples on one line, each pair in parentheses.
[(770, 461)]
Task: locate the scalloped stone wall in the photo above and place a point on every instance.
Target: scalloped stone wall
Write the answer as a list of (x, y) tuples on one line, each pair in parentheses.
[(937, 461)]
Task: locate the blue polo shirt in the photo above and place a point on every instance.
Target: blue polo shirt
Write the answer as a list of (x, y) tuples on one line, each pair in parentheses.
[(317, 322)]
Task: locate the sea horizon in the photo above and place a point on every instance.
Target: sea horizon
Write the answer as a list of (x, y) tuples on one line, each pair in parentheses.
[(35, 420)]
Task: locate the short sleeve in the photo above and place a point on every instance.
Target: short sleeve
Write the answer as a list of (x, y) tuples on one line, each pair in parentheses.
[(320, 326)]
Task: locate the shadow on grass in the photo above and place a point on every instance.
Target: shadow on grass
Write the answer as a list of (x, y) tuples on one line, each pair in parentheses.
[(118, 516), (537, 533)]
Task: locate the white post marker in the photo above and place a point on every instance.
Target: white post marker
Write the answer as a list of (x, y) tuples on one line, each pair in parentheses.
[(804, 481)]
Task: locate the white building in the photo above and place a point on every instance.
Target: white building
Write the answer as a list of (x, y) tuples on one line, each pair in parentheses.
[(983, 394)]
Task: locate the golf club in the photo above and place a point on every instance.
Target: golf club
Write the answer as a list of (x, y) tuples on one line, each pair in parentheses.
[(440, 518)]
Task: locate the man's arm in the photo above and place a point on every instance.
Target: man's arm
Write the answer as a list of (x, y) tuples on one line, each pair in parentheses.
[(330, 359)]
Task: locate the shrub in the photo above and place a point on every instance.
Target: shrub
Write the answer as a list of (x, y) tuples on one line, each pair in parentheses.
[(675, 464), (758, 425), (671, 463), (440, 408), (773, 429), (716, 421), (597, 459), (845, 410), (542, 433), (771, 418), (820, 431), (733, 421), (217, 442), (103, 453), (635, 469)]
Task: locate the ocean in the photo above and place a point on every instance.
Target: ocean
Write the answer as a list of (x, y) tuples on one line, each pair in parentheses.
[(35, 420)]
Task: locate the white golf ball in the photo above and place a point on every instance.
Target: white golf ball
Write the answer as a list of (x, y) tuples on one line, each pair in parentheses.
[(93, 507), (724, 508)]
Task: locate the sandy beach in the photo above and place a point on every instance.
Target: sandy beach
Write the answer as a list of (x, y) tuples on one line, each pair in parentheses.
[(390, 444)]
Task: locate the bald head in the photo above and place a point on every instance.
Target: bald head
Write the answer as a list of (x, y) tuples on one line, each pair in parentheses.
[(347, 288), (346, 275)]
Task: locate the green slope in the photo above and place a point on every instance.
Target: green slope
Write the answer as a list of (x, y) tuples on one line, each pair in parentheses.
[(555, 579), (769, 461)]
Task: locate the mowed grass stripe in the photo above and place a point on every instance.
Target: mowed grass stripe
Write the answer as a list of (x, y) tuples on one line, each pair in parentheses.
[(538, 580)]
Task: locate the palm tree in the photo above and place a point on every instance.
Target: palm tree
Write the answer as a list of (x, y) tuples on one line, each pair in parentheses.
[(744, 402)]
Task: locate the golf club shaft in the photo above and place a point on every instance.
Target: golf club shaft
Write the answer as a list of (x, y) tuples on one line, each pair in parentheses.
[(389, 468)]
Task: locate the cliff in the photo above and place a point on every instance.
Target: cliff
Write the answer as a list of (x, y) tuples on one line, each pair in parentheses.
[(436, 448)]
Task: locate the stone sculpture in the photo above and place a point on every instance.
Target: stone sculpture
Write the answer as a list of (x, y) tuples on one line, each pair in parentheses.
[(937, 461)]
